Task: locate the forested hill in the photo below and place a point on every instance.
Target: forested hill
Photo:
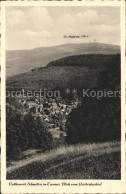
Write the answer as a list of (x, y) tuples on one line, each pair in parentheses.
[(91, 61), (21, 61), (71, 72)]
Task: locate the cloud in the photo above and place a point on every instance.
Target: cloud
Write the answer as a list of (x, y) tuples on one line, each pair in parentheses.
[(38, 34), (39, 23), (35, 18), (13, 18), (89, 16), (30, 33)]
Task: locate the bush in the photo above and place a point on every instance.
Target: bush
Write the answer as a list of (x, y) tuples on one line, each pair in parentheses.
[(24, 133)]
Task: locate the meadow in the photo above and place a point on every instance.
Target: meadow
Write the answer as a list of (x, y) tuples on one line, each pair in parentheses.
[(80, 161)]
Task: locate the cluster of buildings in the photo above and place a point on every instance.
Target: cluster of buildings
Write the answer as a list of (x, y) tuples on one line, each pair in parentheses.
[(52, 111)]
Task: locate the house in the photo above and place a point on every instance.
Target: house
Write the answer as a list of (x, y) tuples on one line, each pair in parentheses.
[(35, 105), (64, 106), (31, 104), (57, 111), (46, 120), (40, 107), (54, 106), (63, 110)]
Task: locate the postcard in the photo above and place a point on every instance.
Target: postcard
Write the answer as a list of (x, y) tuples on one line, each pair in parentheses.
[(63, 97)]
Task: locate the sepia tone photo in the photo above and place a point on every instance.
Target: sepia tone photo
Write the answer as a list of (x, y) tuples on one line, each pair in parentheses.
[(63, 93)]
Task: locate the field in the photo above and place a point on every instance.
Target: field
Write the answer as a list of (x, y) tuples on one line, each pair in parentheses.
[(81, 161)]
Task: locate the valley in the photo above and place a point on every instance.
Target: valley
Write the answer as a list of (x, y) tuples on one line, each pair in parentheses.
[(65, 136)]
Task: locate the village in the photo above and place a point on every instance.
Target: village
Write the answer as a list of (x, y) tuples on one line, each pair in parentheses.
[(54, 112)]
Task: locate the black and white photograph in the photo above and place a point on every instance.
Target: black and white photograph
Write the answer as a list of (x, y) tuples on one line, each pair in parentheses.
[(63, 94)]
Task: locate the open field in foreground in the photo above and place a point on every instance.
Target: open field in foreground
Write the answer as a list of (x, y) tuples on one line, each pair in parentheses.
[(82, 161)]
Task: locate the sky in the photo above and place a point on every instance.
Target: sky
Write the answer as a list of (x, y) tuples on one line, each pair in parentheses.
[(31, 27)]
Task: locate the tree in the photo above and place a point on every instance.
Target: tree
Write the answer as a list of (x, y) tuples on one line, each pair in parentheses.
[(98, 119), (24, 132)]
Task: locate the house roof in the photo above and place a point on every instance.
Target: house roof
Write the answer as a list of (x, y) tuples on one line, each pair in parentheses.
[(31, 103)]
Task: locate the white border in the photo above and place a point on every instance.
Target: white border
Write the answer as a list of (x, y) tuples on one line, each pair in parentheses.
[(108, 186)]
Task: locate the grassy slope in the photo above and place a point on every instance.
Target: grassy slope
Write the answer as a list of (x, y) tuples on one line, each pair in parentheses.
[(82, 161)]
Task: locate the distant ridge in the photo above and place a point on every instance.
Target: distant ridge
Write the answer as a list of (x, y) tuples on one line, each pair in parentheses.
[(21, 61)]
